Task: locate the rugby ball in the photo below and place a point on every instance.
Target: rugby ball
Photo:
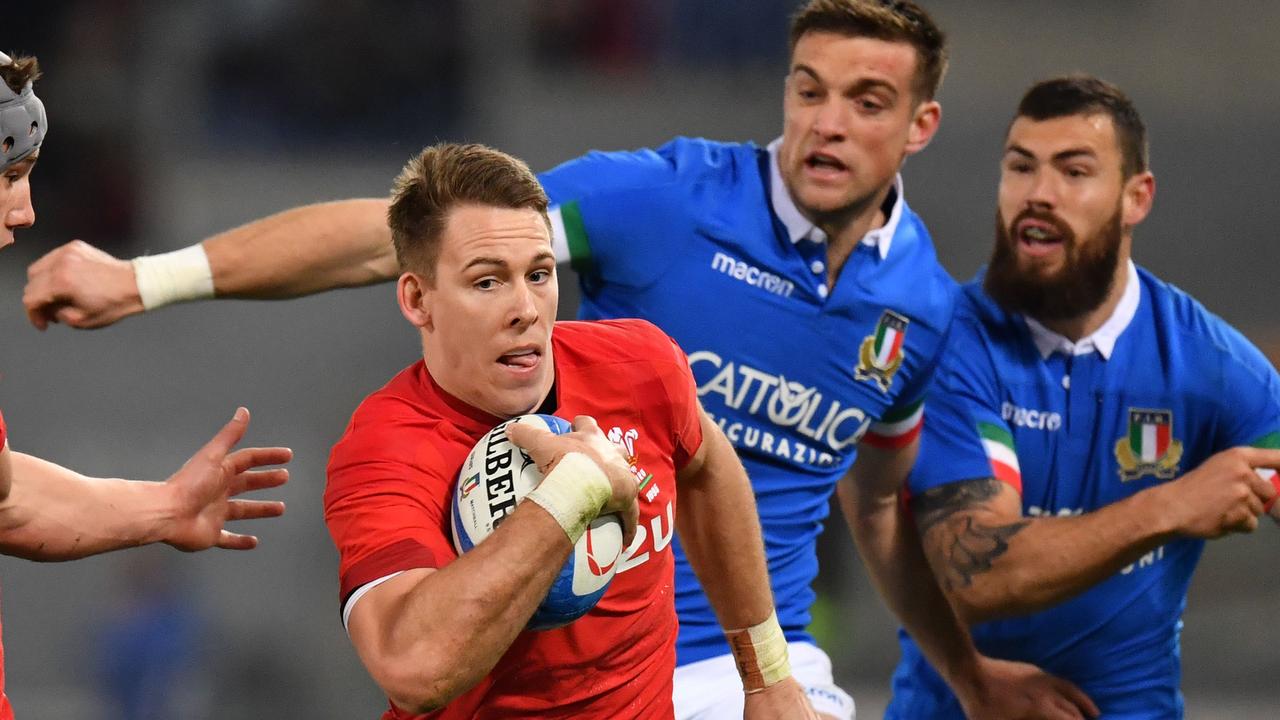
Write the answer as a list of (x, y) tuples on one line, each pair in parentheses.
[(494, 479)]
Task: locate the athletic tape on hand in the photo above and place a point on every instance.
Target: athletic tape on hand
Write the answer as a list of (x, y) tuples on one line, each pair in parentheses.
[(172, 277), (760, 652), (573, 492)]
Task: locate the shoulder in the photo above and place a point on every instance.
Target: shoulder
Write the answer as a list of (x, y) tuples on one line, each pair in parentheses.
[(912, 272), (983, 336), (609, 341), (680, 161), (1190, 333), (397, 410)]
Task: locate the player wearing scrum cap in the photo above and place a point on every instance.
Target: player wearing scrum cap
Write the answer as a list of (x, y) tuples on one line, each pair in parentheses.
[(443, 634), (48, 512)]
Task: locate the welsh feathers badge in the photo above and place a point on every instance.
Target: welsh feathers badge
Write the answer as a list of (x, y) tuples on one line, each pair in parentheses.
[(1149, 448), (881, 353)]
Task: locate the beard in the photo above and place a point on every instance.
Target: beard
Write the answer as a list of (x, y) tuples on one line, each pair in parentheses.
[(1021, 285)]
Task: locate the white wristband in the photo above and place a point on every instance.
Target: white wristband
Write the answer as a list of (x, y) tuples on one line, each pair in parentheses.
[(573, 493), (173, 277), (760, 652)]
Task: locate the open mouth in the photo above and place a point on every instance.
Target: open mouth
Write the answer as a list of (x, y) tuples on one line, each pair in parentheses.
[(521, 359), (1038, 237), (824, 162)]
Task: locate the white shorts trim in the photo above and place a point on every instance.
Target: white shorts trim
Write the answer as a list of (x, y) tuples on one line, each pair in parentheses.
[(711, 689)]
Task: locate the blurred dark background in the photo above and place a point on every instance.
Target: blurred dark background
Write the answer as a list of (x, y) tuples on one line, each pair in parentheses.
[(173, 120)]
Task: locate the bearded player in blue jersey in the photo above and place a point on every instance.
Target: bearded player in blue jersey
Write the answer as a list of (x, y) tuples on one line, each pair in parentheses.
[(1090, 428), (803, 288)]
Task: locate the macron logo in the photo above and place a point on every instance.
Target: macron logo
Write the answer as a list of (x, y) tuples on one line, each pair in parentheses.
[(751, 275)]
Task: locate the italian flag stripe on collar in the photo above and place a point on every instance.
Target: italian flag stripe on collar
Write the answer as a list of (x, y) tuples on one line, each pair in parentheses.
[(897, 428), (998, 444)]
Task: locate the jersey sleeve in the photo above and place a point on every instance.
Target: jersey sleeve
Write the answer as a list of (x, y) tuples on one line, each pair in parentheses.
[(4, 432), (386, 501), (903, 421), (965, 436), (686, 415), (612, 212), (1249, 396)]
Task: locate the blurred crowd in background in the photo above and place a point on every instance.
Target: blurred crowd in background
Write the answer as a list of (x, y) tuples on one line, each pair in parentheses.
[(171, 120)]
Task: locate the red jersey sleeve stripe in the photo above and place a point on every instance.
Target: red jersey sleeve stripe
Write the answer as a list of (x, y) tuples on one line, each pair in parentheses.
[(4, 434), (402, 555)]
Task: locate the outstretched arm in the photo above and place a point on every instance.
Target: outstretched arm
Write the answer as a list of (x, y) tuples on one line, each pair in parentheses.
[(51, 513), (297, 252), (720, 532), (870, 497), (993, 562)]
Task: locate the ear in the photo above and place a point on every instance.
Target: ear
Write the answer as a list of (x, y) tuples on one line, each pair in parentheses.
[(924, 125), (414, 296), (1139, 194)]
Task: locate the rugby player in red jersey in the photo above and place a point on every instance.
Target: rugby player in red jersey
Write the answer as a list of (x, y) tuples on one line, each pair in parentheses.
[(443, 634), (48, 512)]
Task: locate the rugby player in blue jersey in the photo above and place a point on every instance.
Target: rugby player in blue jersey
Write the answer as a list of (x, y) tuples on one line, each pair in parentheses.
[(1090, 428), (803, 288)]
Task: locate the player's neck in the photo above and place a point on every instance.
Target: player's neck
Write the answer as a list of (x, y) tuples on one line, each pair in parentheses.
[(845, 232), (1086, 324)]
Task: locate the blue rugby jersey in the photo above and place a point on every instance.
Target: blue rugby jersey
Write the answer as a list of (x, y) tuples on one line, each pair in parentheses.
[(702, 239), (1178, 386)]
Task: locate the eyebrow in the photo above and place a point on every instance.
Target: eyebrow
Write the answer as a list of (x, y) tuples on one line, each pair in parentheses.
[(499, 262), (859, 87), (485, 261), (1068, 154)]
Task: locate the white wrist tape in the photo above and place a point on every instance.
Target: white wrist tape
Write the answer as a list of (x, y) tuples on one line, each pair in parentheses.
[(760, 652), (173, 277), (573, 492)]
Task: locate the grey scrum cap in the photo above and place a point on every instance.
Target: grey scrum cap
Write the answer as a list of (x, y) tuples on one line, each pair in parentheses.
[(22, 121)]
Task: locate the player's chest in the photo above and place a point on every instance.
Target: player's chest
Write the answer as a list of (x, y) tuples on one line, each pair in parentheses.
[(643, 435), (1084, 440)]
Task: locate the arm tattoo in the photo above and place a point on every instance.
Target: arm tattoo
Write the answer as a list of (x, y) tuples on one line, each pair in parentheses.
[(962, 547)]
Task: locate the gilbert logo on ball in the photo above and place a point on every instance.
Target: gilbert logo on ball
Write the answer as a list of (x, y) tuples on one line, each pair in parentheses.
[(494, 479)]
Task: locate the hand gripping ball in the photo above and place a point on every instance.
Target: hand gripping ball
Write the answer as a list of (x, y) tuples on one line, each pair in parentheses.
[(494, 479)]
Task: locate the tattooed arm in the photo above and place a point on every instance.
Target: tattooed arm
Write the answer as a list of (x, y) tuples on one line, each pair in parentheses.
[(992, 562)]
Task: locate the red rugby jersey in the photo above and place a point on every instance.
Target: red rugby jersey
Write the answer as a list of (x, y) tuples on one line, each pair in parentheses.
[(390, 483)]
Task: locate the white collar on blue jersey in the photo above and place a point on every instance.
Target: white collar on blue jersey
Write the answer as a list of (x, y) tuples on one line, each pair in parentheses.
[(799, 227), (1104, 338)]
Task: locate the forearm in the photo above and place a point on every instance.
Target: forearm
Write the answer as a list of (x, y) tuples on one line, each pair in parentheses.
[(443, 634), (52, 513), (993, 563), (304, 250), (892, 553), (720, 532), (994, 567)]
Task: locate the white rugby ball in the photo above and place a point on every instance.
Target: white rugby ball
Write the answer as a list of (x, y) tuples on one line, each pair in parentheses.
[(494, 479)]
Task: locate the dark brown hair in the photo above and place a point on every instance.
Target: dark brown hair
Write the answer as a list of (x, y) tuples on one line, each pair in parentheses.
[(889, 20), (1087, 95), (22, 70), (444, 176)]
